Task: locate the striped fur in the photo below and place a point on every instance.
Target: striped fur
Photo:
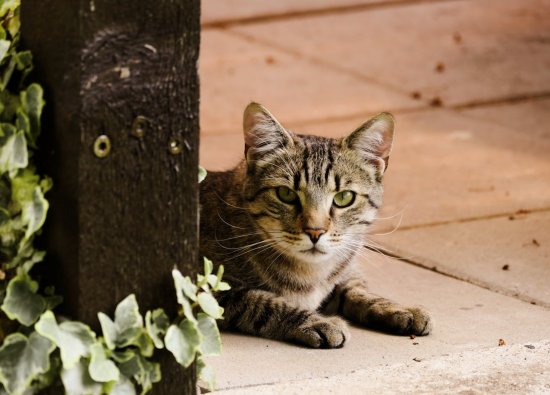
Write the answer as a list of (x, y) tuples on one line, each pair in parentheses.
[(291, 265)]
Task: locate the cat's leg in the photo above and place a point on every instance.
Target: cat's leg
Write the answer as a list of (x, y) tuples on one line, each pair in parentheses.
[(357, 304), (264, 314)]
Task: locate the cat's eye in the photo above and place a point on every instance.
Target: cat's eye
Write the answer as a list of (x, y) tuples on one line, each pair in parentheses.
[(287, 195), (344, 199)]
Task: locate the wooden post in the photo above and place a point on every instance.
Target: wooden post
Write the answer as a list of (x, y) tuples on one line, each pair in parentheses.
[(120, 139)]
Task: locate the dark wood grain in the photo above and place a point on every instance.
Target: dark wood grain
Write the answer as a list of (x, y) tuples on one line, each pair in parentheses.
[(119, 224)]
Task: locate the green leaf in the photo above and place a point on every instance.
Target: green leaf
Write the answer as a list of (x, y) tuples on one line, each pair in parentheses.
[(206, 374), (157, 323), (14, 23), (220, 285), (14, 154), (74, 339), (183, 341), (27, 264), (127, 328), (212, 280), (102, 369), (132, 364), (34, 212), (202, 174), (223, 286), (184, 286), (22, 360), (208, 266), (188, 310), (32, 102), (210, 305), (4, 46), (211, 343), (23, 60), (109, 330), (21, 302), (8, 5), (77, 380), (123, 386)]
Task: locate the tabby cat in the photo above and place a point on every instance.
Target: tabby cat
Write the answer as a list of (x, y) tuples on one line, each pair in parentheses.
[(288, 223)]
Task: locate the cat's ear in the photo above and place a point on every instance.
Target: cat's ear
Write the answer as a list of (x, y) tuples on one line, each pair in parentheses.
[(262, 132), (373, 139)]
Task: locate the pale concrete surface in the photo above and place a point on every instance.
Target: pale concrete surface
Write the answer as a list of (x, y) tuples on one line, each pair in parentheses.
[(466, 318), (502, 50), (517, 369), (235, 72), (216, 11), (456, 175), (510, 254)]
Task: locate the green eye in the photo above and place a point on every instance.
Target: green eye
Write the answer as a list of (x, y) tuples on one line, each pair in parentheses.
[(287, 195), (344, 199)]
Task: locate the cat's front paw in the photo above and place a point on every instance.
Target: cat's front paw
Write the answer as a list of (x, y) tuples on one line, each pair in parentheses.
[(411, 321), (422, 323), (322, 332)]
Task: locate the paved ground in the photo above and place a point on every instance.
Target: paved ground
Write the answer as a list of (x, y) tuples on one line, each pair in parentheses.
[(466, 220)]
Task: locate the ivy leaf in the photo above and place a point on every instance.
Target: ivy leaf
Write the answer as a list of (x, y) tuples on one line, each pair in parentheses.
[(183, 341), (8, 5), (127, 328), (222, 286), (202, 174), (27, 193), (123, 386), (74, 339), (208, 266), (184, 286), (210, 305), (211, 344), (109, 330), (206, 374), (102, 369), (14, 154), (22, 360), (21, 302), (32, 102), (212, 280), (23, 60), (132, 364), (4, 46), (157, 323), (77, 380)]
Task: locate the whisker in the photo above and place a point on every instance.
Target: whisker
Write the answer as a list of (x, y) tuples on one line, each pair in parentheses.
[(228, 224)]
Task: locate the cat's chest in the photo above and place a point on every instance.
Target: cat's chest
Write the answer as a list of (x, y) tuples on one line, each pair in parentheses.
[(311, 299)]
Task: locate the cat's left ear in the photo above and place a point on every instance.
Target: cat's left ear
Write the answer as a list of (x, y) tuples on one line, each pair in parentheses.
[(263, 134), (373, 140)]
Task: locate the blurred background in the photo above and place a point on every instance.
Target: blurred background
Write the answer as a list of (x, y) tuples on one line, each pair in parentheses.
[(468, 185)]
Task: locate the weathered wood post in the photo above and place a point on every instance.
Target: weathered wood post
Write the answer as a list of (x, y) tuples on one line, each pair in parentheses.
[(120, 139)]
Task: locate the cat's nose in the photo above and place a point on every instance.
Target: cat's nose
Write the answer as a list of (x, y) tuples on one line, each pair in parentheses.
[(314, 234)]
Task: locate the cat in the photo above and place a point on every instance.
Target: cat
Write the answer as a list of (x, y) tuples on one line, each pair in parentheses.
[(288, 222)]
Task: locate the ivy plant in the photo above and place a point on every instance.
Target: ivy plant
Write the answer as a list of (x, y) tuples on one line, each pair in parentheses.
[(38, 348)]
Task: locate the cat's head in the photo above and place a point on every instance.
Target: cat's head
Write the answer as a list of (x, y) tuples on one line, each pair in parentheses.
[(314, 197)]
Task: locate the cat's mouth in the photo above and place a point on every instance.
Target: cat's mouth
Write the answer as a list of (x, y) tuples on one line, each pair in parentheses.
[(313, 251)]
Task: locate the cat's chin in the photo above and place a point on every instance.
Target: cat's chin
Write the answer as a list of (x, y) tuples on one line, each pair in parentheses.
[(313, 251)]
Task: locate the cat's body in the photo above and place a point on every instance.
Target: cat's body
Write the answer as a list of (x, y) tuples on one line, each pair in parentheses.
[(287, 224)]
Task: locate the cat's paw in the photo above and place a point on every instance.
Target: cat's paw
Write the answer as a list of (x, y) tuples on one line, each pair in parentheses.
[(322, 332), (410, 321)]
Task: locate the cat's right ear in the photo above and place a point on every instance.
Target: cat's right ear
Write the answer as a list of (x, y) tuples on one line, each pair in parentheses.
[(262, 132)]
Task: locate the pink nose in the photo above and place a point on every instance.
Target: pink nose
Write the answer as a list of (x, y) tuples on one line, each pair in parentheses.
[(314, 234)]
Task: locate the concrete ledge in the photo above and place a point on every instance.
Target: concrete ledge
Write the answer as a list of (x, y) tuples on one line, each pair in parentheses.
[(516, 369)]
